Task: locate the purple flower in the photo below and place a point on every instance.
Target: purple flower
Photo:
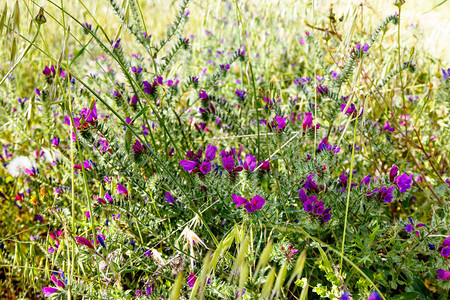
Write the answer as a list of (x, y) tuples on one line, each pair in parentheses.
[(326, 217), (308, 206), (148, 88), (387, 127), (374, 296), (446, 74), (320, 210), (322, 89), (240, 94), (302, 195), (281, 122), (364, 48), (257, 202), (116, 44), (307, 121), (84, 241), (203, 95), (57, 282), (108, 197), (404, 182), (445, 252), (238, 200), (121, 189), (136, 70), (138, 147), (350, 109), (87, 214), (443, 274), (48, 291), (446, 242), (169, 197), (205, 167), (409, 228), (345, 296), (310, 183), (191, 280), (393, 173), (101, 240), (228, 163), (210, 152), (343, 179), (188, 165), (365, 180), (250, 162)]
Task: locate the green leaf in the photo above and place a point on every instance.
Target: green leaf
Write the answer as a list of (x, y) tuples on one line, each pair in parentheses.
[(406, 296)]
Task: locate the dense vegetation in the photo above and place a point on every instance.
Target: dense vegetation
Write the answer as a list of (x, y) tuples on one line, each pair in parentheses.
[(251, 155)]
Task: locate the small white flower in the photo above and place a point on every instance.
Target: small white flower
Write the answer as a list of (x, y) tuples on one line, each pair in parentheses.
[(18, 165)]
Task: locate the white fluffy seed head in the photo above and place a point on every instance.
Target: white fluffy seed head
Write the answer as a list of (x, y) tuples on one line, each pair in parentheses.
[(17, 166)]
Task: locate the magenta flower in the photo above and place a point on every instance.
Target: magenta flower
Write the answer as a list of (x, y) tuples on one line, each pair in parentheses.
[(256, 203), (205, 167), (121, 189), (446, 242), (191, 280), (57, 282), (250, 162), (393, 173), (307, 121), (238, 200), (84, 241), (281, 122), (443, 274), (403, 182), (228, 163), (188, 165), (48, 291), (210, 152), (374, 296), (387, 127)]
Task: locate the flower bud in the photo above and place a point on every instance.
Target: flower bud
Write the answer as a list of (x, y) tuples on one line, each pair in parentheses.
[(399, 3), (40, 18), (326, 35)]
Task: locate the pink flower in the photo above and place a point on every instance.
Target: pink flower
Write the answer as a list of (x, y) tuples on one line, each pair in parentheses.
[(191, 280), (48, 291), (84, 241), (238, 200), (307, 121)]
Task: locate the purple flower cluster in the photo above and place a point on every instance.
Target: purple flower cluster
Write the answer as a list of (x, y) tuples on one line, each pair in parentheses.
[(88, 116), (196, 164), (325, 146), (314, 207), (255, 204)]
